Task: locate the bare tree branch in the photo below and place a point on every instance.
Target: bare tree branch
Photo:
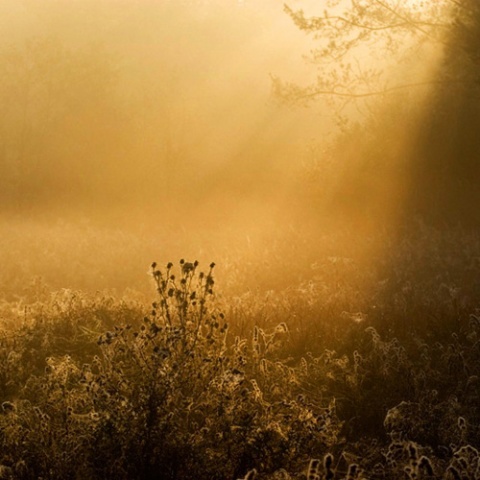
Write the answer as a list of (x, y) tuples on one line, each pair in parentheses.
[(414, 24), (337, 93), (314, 23), (365, 23)]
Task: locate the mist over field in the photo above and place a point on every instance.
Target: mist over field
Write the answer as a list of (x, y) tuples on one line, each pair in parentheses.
[(239, 239), (162, 105), (160, 122), (151, 117)]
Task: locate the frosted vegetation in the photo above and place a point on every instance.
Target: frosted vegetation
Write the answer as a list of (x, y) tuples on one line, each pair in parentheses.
[(202, 280)]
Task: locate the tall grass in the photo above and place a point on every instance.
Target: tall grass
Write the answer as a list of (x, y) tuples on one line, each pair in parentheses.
[(351, 372)]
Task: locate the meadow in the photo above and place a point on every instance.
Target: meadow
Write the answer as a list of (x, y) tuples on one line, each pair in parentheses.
[(200, 279), (315, 356)]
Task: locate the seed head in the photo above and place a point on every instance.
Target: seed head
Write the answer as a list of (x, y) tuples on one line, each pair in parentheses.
[(8, 407), (328, 461), (187, 268)]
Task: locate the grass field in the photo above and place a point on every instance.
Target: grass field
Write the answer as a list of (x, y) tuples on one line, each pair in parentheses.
[(324, 356)]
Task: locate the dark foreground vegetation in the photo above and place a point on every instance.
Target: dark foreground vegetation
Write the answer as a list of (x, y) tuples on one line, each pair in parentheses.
[(358, 372), (341, 352)]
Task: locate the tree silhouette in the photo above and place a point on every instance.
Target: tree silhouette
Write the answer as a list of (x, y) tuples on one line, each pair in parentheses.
[(360, 41), (447, 144)]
